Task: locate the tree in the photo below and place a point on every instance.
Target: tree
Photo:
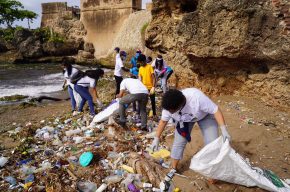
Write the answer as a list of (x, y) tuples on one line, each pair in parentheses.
[(12, 10)]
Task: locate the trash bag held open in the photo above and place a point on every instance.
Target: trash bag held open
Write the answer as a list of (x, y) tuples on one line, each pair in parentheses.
[(106, 113), (218, 160)]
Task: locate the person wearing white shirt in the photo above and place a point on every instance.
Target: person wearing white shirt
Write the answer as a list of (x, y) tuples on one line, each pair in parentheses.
[(186, 108), (119, 68), (137, 92), (86, 87), (162, 71), (68, 72)]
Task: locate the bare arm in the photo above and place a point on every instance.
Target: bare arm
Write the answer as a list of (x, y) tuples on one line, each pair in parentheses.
[(154, 80), (162, 124), (93, 93), (121, 94), (219, 117)]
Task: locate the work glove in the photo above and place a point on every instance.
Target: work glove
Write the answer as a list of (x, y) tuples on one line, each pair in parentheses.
[(100, 104), (225, 133), (155, 144), (152, 91)]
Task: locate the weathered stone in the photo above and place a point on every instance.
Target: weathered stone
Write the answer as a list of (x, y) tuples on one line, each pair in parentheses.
[(61, 48), (103, 19), (232, 45), (3, 45), (89, 47), (31, 48), (20, 36)]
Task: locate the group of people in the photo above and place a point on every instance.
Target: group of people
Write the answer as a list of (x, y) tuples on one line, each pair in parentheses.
[(183, 107)]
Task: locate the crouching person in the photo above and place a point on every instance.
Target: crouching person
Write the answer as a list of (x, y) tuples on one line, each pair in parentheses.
[(186, 108), (137, 92)]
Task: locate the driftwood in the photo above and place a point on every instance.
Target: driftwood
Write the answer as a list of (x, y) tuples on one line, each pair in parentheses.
[(151, 171)]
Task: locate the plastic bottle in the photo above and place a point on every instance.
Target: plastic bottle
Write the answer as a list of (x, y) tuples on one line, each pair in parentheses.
[(72, 132), (3, 161), (87, 186), (156, 189), (102, 188), (11, 180), (112, 179)]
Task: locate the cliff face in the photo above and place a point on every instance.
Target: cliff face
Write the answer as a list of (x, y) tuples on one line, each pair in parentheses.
[(63, 20), (228, 46), (103, 20)]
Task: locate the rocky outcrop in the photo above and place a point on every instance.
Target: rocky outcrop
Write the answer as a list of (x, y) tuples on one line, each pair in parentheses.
[(130, 35), (228, 46), (3, 45), (103, 20)]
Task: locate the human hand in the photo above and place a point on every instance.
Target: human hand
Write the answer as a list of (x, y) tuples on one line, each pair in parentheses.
[(225, 133), (155, 144), (152, 91), (100, 104)]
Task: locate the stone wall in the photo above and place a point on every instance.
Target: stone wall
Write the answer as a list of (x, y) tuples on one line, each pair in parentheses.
[(236, 47), (53, 11), (103, 20)]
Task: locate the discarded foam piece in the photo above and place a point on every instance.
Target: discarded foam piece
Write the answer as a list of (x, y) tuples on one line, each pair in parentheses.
[(162, 153)]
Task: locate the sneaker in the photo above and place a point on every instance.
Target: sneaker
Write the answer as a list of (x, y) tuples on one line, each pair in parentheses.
[(75, 113)]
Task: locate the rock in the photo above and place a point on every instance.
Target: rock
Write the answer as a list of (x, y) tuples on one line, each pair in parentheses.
[(31, 48), (3, 45), (228, 44), (85, 57), (61, 48), (89, 47), (20, 36)]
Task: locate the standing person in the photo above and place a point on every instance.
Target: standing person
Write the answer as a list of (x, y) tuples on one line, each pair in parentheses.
[(162, 71), (119, 68), (147, 77), (134, 59), (137, 93), (69, 71), (86, 87), (187, 107)]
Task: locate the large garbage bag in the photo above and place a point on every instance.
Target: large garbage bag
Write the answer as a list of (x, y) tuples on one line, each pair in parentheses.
[(106, 113), (218, 160)]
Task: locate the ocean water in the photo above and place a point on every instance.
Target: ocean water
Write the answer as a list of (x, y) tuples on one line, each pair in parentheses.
[(30, 80), (33, 80)]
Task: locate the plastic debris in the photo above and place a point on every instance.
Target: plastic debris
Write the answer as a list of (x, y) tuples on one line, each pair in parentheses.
[(162, 153), (11, 180), (3, 161), (102, 188), (128, 168), (86, 158), (86, 186)]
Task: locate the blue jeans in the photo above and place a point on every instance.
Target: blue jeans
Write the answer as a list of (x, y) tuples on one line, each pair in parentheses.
[(72, 98), (209, 130), (86, 96)]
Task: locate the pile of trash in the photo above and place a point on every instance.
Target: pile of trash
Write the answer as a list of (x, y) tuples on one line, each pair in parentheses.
[(67, 154)]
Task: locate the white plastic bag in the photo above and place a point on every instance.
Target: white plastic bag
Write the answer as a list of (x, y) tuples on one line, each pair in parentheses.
[(77, 97), (218, 160), (112, 109)]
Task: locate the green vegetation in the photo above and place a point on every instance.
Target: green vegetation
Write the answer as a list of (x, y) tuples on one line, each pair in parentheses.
[(12, 10), (144, 27), (13, 98), (8, 33), (49, 35)]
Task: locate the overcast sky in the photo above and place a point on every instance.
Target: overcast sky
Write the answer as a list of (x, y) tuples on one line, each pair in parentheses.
[(35, 5)]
